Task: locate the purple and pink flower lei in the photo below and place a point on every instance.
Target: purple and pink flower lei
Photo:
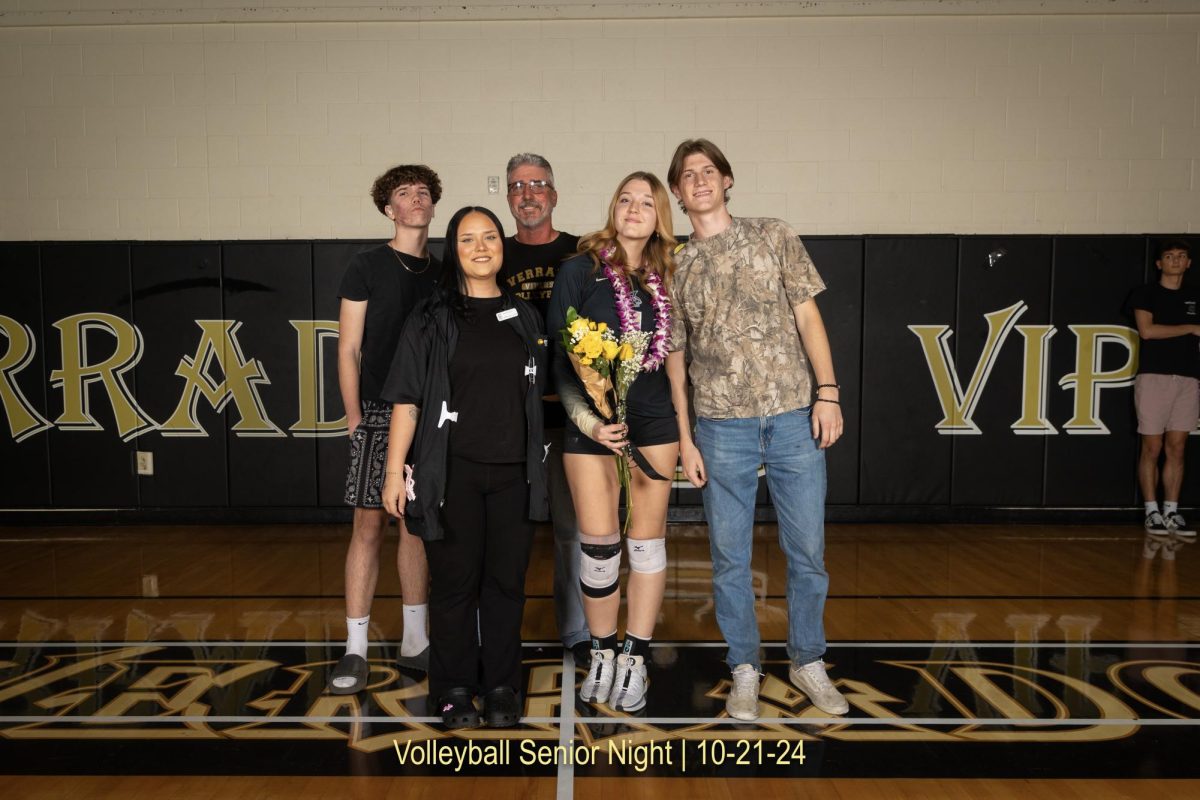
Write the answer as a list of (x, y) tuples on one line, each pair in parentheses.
[(656, 352)]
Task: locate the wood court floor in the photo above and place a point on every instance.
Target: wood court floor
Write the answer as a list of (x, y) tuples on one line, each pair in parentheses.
[(937, 584)]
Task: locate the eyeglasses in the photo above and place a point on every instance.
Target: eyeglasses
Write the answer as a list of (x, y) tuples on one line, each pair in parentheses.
[(537, 187)]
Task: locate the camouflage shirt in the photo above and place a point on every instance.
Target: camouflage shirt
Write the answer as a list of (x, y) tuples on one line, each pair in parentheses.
[(733, 295)]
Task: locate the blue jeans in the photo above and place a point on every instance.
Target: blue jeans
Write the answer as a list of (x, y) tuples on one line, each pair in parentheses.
[(733, 449)]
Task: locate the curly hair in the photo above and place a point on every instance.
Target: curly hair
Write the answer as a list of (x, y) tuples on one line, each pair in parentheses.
[(402, 175), (660, 250)]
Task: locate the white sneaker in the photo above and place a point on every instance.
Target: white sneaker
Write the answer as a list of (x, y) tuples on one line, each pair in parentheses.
[(812, 680), (1177, 525), (599, 681), (629, 686), (742, 700)]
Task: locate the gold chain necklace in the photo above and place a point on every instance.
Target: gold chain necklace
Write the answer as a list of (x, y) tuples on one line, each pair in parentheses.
[(407, 268)]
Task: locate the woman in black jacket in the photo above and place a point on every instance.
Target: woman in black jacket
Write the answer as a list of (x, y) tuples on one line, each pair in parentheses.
[(466, 383)]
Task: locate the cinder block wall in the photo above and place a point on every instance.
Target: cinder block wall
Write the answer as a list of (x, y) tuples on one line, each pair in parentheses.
[(920, 124)]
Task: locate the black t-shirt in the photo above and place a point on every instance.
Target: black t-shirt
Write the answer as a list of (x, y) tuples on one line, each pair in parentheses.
[(591, 294), (487, 386), (529, 272), (1179, 355), (392, 283)]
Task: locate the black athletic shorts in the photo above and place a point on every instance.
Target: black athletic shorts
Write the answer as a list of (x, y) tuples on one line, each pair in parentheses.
[(643, 432)]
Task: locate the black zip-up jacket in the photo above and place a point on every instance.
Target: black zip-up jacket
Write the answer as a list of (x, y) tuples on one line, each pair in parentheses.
[(421, 367)]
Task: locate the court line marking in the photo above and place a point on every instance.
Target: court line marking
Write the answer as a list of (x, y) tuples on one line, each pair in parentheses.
[(565, 780)]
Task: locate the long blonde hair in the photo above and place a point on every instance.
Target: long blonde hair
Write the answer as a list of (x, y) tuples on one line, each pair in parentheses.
[(659, 254)]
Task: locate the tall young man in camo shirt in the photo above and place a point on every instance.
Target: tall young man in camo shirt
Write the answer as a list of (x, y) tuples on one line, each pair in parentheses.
[(765, 393)]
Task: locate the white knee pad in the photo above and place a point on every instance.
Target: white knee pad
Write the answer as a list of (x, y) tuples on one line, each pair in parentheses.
[(599, 568), (647, 555)]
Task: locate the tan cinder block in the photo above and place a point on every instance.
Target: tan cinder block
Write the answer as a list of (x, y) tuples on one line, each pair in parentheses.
[(1041, 49), (581, 148), (497, 150), (817, 207), (786, 178), (480, 54), (236, 120), (25, 35), (97, 214), (54, 121), (389, 87), (873, 80), (334, 212), (241, 181), (511, 85), (354, 180), (320, 87), (174, 58), (270, 149), (293, 57), (914, 51), (106, 58), (176, 120), (1035, 176), (851, 112), (1068, 143), (10, 59), (979, 49), (1070, 80), (941, 211), (14, 182), (1097, 175), (23, 218), (27, 90), (1181, 143), (143, 90), (760, 205), (358, 118), (951, 143), (1120, 81), (753, 146), (326, 31), (118, 121), (1180, 210), (876, 207), (264, 32), (384, 150), (1127, 207), (54, 182), (850, 51), (461, 86), (481, 117), (642, 147), (416, 55), (1101, 112), (297, 180), (1157, 174), (585, 118), (88, 151), (180, 182), (878, 144), (1014, 80), (573, 85), (307, 118), (968, 113), (1038, 112), (912, 176), (260, 88), (915, 113), (849, 176), (977, 177), (617, 86), (1064, 207), (191, 151), (234, 57), (992, 144), (1138, 142), (938, 81), (771, 52), (80, 90), (1172, 49), (330, 150), (424, 117), (818, 146), (266, 212), (222, 151), (146, 151), (1002, 211), (135, 217), (1182, 81), (1100, 48), (51, 59)]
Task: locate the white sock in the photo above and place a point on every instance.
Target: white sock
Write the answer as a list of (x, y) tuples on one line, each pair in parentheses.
[(1151, 507), (356, 635), (1170, 507), (415, 638)]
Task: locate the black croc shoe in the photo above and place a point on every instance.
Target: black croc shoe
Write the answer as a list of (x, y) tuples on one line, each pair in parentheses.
[(458, 709), (500, 708)]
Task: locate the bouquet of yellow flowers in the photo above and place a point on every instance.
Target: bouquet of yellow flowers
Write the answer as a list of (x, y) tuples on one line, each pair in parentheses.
[(608, 365)]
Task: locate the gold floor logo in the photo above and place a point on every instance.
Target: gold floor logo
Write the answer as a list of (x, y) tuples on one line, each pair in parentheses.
[(115, 693)]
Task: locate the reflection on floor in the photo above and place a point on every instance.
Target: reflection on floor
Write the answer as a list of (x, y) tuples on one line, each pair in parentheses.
[(965, 651)]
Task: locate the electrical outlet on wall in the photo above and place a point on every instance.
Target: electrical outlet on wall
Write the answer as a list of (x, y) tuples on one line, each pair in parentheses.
[(145, 462)]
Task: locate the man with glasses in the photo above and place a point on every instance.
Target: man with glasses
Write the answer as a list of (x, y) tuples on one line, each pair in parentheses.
[(531, 259)]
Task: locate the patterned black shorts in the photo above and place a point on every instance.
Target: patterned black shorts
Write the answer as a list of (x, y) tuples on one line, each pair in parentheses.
[(368, 456)]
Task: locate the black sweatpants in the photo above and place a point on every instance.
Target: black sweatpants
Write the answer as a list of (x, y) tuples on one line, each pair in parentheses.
[(479, 568)]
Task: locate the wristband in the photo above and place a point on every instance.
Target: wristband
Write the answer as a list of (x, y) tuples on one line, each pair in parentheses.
[(827, 400)]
